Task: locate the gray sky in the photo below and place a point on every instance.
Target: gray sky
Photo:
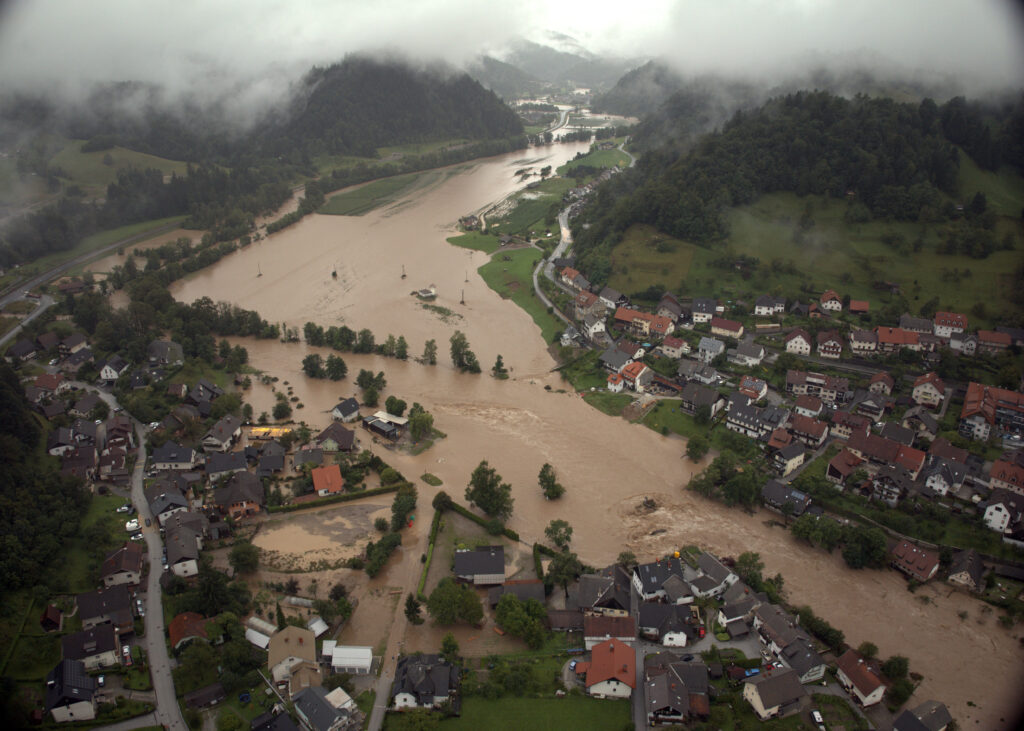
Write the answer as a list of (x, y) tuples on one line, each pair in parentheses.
[(210, 44)]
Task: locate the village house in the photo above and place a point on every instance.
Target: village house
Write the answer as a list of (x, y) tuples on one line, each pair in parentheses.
[(920, 564), (944, 476), (521, 589), (946, 324), (830, 345), (783, 498), (703, 309), (845, 424), (21, 352), (1003, 510), (798, 342), (183, 547), (424, 681), (860, 677), (481, 567), (605, 593), (598, 628), (186, 628), (986, 407), (616, 382), (568, 276), (1008, 474), (882, 383), (165, 500), (893, 339), (810, 406), (929, 716), (611, 671), (755, 388), (882, 451), (692, 370), (52, 384), (809, 431), (921, 423), (859, 307), (95, 648), (673, 347), (747, 354), (964, 344), (593, 326), (614, 360), (668, 624), (327, 480), (105, 606), (219, 465), (993, 342), (649, 578), (929, 390), (70, 692), (713, 579), (842, 466), (335, 438), (72, 344), (319, 710), (223, 434), (637, 376), (863, 342), (241, 497), (768, 305), (291, 657), (172, 456), (890, 485), (587, 303), (612, 298), (831, 301), (745, 419), (774, 695), (788, 458), (346, 410), (694, 396), (113, 368), (726, 328), (124, 565), (828, 388), (709, 348), (967, 570), (669, 306)]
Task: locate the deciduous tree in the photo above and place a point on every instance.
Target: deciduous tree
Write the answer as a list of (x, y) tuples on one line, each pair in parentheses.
[(489, 493)]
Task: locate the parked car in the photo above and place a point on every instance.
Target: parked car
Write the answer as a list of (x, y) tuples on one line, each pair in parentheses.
[(137, 537), (572, 665), (126, 652), (101, 680), (124, 508), (132, 525), (816, 715)]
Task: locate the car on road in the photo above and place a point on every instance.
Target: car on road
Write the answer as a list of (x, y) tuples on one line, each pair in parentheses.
[(572, 665), (53, 361), (148, 522), (124, 508), (687, 658), (132, 525)]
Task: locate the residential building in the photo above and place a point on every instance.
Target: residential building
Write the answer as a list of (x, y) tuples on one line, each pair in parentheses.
[(598, 628), (593, 326), (670, 307), (616, 382), (860, 677), (831, 301), (611, 671), (124, 565), (327, 480), (96, 648), (713, 579), (920, 325), (774, 695), (223, 434), (186, 628), (809, 431), (649, 578), (920, 564), (882, 451), (859, 307), (784, 498), (172, 456), (70, 692), (929, 716), (842, 466), (703, 309), (637, 376), (967, 570), (351, 659), (828, 388), (788, 458), (675, 348), (424, 681), (668, 624), (965, 344), (614, 360), (993, 342), (890, 485), (830, 345), (319, 710), (1003, 510), (988, 407), (768, 305), (893, 339), (863, 342), (113, 368), (104, 606), (481, 567), (612, 299), (522, 589), (748, 354), (694, 397), (587, 303), (1007, 474), (346, 410), (726, 328), (336, 438), (946, 324), (845, 424), (798, 342), (165, 353), (241, 497), (929, 390), (810, 406), (292, 659), (882, 383), (944, 476), (755, 388), (221, 464), (709, 348)]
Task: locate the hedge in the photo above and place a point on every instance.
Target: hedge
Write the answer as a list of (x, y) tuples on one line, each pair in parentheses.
[(482, 522), (435, 527), (343, 498)]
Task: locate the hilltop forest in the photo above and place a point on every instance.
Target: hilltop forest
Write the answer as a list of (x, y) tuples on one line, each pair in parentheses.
[(351, 108), (889, 160)]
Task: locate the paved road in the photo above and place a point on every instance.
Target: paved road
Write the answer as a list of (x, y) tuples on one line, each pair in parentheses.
[(145, 721), (45, 302), (15, 291), (168, 712)]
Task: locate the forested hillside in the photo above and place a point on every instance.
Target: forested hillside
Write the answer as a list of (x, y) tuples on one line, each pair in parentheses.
[(39, 507), (889, 160)]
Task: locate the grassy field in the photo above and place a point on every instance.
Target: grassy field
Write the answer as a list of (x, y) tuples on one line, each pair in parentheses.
[(77, 565), (830, 252), (557, 714), (1003, 189), (88, 169), (510, 275), (586, 372), (476, 241), (365, 198), (530, 209), (598, 159), (610, 403)]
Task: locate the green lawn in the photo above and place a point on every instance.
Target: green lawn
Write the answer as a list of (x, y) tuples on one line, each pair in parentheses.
[(586, 372), (598, 159), (531, 209), (1003, 189), (476, 241), (667, 413), (610, 403), (510, 275), (837, 712), (367, 197), (537, 714), (79, 560), (194, 369), (89, 170), (828, 253)]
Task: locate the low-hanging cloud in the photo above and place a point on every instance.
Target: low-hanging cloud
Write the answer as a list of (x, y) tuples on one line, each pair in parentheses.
[(243, 54)]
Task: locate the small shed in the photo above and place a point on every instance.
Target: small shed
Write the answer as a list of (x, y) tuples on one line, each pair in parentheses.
[(352, 659), (259, 639), (317, 625), (211, 695), (50, 621)]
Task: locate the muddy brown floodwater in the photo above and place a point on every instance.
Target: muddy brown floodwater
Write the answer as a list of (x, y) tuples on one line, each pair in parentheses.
[(606, 464)]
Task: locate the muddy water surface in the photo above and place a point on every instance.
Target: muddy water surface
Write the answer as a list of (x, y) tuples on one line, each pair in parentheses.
[(606, 464)]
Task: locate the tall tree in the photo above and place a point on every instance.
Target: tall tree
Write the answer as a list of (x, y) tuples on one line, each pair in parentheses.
[(489, 493), (559, 532), (548, 483), (430, 352)]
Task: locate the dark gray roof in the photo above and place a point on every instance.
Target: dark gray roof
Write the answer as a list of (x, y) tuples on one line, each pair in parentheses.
[(801, 656), (750, 350), (167, 501), (485, 560), (523, 590), (704, 305), (205, 696), (112, 602), (778, 689), (225, 462), (342, 436), (270, 722), (614, 358), (918, 324), (711, 566), (272, 449), (676, 588), (931, 715), (173, 453), (653, 575), (309, 456), (694, 675), (793, 450), (312, 702), (347, 408), (68, 683), (664, 617), (182, 546), (898, 433), (778, 494), (224, 429), (665, 696), (711, 345), (164, 351), (968, 561), (269, 464), (241, 487), (612, 295), (80, 645), (699, 395), (425, 677)]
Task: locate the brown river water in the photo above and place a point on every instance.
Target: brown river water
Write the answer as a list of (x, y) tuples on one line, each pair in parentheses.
[(606, 464)]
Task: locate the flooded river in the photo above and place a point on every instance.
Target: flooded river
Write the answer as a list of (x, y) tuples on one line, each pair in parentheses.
[(606, 464)]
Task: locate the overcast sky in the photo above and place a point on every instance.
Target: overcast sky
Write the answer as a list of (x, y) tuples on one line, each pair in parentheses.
[(68, 43)]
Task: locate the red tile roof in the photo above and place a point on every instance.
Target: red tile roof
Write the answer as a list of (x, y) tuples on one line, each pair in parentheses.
[(811, 403), (845, 463), (724, 324), (600, 625), (981, 399), (991, 337), (883, 377), (612, 660), (919, 563), (1008, 472), (858, 670), (859, 306), (806, 425), (328, 478), (799, 332), (569, 273), (673, 342), (185, 625), (951, 319), (49, 381), (830, 294), (633, 370), (932, 378), (896, 336), (941, 447)]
